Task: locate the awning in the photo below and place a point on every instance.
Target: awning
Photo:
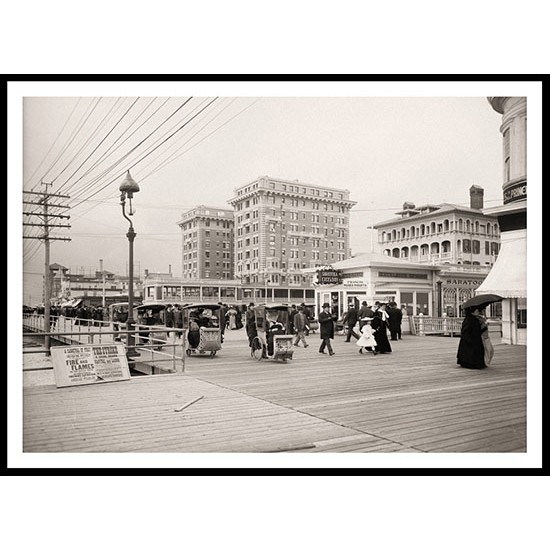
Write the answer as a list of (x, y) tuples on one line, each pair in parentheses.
[(75, 302), (508, 277)]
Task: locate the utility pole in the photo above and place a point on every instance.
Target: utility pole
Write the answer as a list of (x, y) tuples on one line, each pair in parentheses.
[(103, 284), (46, 214)]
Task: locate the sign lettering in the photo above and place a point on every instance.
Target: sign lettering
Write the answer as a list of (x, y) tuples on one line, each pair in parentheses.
[(78, 365), (515, 192), (329, 277), (403, 275)]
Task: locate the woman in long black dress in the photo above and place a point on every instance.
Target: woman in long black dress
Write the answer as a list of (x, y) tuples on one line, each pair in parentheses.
[(380, 333), (471, 351)]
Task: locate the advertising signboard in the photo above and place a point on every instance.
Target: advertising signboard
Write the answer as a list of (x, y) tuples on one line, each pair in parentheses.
[(78, 365)]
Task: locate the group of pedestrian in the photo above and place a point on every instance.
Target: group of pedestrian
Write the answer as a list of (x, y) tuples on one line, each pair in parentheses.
[(369, 326), (83, 315), (173, 318)]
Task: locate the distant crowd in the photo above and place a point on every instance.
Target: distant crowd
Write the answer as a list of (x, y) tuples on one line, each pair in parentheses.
[(84, 315)]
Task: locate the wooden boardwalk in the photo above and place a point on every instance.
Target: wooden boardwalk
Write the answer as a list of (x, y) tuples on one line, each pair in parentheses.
[(414, 400)]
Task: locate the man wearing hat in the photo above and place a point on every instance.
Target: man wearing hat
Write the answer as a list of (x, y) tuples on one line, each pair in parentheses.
[(365, 312), (250, 323), (300, 324), (326, 324), (350, 318)]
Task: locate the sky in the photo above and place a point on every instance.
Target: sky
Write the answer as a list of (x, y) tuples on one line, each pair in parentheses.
[(386, 145)]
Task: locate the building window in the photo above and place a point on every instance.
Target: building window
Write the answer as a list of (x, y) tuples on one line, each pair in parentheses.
[(521, 316)]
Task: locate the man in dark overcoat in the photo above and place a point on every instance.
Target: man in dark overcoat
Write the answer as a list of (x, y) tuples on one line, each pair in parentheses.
[(250, 324), (350, 319), (326, 324), (365, 312), (394, 321)]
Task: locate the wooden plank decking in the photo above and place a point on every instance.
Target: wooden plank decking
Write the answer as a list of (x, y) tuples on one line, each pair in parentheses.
[(414, 400)]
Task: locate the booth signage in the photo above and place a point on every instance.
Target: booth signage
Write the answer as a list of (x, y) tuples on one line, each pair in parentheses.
[(329, 277), (395, 275), (462, 282), (355, 283), (78, 365)]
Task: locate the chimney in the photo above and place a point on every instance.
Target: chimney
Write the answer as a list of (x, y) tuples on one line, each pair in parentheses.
[(170, 269), (476, 197)]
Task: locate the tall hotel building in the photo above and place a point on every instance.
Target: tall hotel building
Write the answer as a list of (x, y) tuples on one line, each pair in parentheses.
[(283, 227), (207, 251)]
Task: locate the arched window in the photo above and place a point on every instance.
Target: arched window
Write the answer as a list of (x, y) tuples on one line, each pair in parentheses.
[(446, 225), (460, 224), (395, 252), (432, 228), (414, 252), (405, 253)]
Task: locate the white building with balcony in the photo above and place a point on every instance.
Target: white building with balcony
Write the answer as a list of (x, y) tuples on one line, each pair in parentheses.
[(442, 234), (463, 241)]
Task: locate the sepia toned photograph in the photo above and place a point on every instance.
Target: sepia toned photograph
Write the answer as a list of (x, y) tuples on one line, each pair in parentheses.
[(276, 274)]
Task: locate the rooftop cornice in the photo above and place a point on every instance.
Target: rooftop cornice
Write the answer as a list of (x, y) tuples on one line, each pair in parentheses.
[(497, 103)]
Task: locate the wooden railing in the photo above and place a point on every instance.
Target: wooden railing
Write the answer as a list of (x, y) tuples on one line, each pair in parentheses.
[(154, 345), (447, 326)]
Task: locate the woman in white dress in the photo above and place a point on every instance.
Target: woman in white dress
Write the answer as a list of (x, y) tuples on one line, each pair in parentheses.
[(366, 340)]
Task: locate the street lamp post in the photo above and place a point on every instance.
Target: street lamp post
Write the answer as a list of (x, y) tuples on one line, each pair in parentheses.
[(127, 189)]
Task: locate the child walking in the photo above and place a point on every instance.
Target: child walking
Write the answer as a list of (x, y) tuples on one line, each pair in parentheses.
[(366, 340)]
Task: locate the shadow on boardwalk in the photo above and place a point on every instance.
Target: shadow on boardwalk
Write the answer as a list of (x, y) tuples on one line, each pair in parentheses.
[(414, 400)]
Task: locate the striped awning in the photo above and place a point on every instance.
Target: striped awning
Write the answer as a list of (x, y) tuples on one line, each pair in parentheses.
[(508, 276)]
